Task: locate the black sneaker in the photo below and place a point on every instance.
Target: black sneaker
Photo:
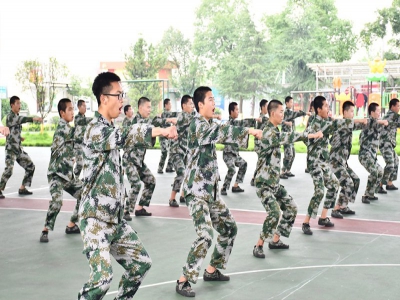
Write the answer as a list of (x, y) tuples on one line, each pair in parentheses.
[(1, 195), (72, 230), (306, 229), (391, 187), (289, 174), (381, 190), (182, 199), (24, 191), (325, 222), (184, 289), (252, 182), (173, 203), (306, 171), (169, 170), (142, 212), (364, 199), (44, 238), (372, 198), (127, 216), (237, 189), (223, 191), (160, 172), (346, 211), (277, 245), (283, 176), (216, 276), (258, 252), (336, 214)]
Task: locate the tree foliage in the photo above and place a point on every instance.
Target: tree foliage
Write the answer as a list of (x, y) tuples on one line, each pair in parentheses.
[(78, 88)]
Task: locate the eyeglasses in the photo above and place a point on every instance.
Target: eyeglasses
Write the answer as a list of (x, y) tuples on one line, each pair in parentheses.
[(120, 96)]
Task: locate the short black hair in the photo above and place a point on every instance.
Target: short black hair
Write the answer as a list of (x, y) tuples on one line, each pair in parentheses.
[(347, 105), (311, 105), (185, 99), (232, 107), (287, 99), (166, 101), (199, 95), (393, 102), (13, 99), (263, 102), (80, 102), (318, 103), (126, 108), (372, 107), (273, 105), (142, 100), (102, 84), (62, 105)]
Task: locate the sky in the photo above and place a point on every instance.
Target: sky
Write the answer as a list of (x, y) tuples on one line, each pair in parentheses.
[(82, 33)]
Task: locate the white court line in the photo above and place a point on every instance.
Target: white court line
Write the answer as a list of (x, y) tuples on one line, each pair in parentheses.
[(278, 270)]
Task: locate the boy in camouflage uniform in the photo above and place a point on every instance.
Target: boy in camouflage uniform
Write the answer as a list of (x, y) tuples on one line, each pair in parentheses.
[(14, 151), (133, 161), (387, 144), (164, 143), (60, 172), (231, 155), (103, 229), (273, 195), (318, 164), (367, 155), (341, 142), (80, 126), (260, 126), (289, 151), (200, 186)]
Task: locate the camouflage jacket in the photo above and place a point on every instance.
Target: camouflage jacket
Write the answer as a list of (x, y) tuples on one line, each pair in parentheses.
[(168, 114), (234, 148), (126, 122), (201, 174), (289, 116), (13, 140), (388, 133), (317, 149), (341, 143), (261, 126), (103, 188), (62, 152), (179, 146), (369, 138), (269, 159), (137, 152), (310, 119), (80, 122)]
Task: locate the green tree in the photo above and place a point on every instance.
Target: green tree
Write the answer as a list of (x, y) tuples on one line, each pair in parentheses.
[(77, 90), (143, 62)]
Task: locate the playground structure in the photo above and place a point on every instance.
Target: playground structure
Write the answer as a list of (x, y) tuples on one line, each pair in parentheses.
[(362, 83)]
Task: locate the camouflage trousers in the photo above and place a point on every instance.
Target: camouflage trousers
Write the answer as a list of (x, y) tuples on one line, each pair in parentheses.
[(375, 171), (143, 174), (78, 153), (57, 185), (24, 161), (322, 177), (178, 162), (392, 163), (100, 239), (275, 201), (288, 158), (164, 145), (349, 183), (207, 215), (233, 160), (134, 181)]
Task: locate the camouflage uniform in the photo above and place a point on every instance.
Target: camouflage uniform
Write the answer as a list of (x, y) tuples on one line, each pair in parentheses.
[(200, 188), (257, 147), (103, 228), (318, 163), (341, 142), (231, 156), (80, 126), (273, 195), (179, 149), (387, 144), (135, 168), (14, 151), (60, 173), (289, 151), (367, 155), (165, 143)]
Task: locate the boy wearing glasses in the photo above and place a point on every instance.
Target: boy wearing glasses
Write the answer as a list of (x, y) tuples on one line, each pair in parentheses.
[(103, 229)]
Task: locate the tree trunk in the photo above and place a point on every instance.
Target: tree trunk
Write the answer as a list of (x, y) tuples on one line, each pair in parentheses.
[(241, 105), (252, 105)]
